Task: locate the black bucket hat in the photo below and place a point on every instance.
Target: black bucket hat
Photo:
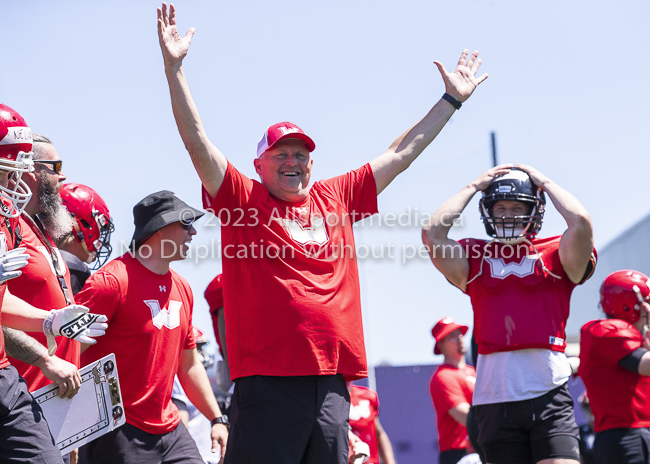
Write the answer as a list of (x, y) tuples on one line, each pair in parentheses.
[(158, 210)]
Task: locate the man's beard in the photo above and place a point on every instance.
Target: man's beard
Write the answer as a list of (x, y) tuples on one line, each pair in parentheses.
[(55, 218)]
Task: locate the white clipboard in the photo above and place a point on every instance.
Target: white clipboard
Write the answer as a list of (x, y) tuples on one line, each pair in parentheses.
[(94, 411)]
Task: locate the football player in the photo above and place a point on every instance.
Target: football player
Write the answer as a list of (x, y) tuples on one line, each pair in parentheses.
[(520, 287), (615, 368), (451, 389), (152, 338), (24, 434), (285, 364), (214, 296), (89, 240), (364, 423)]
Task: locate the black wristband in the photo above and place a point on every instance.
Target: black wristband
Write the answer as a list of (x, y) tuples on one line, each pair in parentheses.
[(455, 103), (223, 420)]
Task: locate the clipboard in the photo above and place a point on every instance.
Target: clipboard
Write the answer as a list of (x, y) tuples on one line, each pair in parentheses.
[(94, 411)]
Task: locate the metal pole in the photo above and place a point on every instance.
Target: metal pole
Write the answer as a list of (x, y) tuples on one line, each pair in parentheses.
[(494, 148)]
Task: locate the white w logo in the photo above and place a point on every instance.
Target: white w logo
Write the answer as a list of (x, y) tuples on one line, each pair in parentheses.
[(170, 317), (317, 233), (523, 268), (288, 130), (360, 411)]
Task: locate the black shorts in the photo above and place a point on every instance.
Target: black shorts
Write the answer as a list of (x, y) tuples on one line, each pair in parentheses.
[(530, 430), (622, 446), (300, 419), (131, 445), (451, 456), (24, 434)]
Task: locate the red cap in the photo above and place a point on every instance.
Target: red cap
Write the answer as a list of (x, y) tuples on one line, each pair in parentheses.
[(444, 327), (281, 131)]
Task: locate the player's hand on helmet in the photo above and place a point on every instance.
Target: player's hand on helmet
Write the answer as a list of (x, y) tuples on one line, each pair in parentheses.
[(73, 322), (461, 83), (484, 180), (537, 177), (173, 46), (219, 436), (11, 262), (64, 374)]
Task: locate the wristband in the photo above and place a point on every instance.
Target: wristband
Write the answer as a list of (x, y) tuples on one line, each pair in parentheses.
[(223, 420), (455, 103)]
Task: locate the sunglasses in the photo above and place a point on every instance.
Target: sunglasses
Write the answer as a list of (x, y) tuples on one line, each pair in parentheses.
[(55, 166), (186, 226)]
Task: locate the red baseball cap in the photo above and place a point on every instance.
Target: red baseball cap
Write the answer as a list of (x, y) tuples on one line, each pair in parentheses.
[(444, 327), (281, 131)]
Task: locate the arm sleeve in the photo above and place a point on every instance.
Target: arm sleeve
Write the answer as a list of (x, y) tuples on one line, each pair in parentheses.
[(101, 294), (235, 191), (446, 393), (591, 267), (618, 342), (357, 190), (631, 361)]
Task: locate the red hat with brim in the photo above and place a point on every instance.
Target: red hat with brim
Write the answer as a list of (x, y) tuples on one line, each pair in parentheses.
[(282, 131), (444, 327)]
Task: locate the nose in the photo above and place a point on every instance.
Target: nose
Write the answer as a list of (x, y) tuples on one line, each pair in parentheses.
[(62, 176), (192, 230)]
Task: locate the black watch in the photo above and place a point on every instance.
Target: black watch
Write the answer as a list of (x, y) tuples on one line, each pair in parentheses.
[(220, 420)]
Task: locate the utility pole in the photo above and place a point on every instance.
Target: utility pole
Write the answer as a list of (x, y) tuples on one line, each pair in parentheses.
[(493, 135)]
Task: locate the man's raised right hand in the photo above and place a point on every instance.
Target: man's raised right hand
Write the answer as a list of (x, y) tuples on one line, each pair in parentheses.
[(173, 46)]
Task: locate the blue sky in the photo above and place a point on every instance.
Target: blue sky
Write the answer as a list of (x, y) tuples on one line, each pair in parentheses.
[(567, 94)]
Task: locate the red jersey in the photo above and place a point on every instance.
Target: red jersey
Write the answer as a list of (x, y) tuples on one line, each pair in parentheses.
[(214, 296), (618, 397), (364, 409), (149, 325), (6, 244), (39, 286), (291, 283), (520, 294), (449, 387)]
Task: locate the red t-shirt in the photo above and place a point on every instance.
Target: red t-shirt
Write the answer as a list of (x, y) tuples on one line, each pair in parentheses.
[(520, 294), (618, 397), (364, 409), (6, 244), (214, 296), (449, 387), (39, 286), (291, 283), (149, 325)]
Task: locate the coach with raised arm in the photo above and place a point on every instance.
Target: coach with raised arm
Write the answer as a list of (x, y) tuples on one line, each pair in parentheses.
[(293, 314), (520, 287)]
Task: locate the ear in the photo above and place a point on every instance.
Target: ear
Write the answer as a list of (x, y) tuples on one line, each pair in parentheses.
[(258, 166)]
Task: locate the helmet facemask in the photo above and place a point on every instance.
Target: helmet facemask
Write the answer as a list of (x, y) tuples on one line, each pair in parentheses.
[(17, 193), (514, 186), (100, 249)]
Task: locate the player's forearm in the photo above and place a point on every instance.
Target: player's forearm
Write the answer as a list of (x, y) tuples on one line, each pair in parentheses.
[(185, 111), (408, 146), (24, 348), (437, 228), (384, 447), (573, 212), (20, 315), (196, 384)]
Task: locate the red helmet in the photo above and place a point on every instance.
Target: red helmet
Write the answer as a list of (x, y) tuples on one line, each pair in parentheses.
[(16, 156), (91, 220), (623, 293), (199, 338)]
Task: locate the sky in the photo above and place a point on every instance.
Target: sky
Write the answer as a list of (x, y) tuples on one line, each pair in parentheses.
[(567, 94)]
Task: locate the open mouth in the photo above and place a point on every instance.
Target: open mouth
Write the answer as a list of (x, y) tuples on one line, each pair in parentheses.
[(290, 174)]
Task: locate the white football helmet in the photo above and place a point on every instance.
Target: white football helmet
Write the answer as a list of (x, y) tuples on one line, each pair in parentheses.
[(15, 156)]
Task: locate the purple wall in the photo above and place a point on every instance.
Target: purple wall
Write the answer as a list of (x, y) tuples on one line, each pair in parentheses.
[(407, 414)]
